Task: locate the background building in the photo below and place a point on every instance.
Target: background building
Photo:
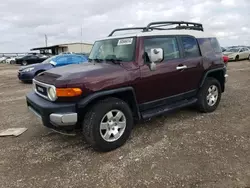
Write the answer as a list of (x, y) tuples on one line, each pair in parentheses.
[(84, 48)]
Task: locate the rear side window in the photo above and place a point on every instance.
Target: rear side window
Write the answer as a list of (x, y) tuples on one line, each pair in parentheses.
[(215, 45), (168, 44), (190, 46)]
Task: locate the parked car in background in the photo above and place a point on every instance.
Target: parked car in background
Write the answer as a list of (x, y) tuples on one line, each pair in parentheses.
[(10, 60), (237, 53), (2, 59), (27, 73), (31, 59)]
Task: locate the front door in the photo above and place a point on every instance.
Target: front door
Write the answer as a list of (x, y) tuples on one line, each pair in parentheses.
[(178, 74)]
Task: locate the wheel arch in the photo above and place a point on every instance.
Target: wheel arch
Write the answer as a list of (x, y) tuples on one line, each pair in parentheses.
[(126, 94), (39, 71), (218, 74)]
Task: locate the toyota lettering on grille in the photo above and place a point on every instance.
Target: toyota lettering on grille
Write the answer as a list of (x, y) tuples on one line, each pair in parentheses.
[(40, 89)]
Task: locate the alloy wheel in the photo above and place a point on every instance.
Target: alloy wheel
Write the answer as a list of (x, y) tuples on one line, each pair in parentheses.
[(212, 96), (113, 125)]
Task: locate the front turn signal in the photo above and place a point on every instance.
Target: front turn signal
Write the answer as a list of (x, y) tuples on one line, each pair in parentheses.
[(68, 92)]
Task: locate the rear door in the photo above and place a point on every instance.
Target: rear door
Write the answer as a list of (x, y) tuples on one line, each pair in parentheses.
[(246, 53), (242, 53), (192, 62)]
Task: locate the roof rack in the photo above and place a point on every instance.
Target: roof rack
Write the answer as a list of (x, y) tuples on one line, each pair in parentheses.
[(180, 25), (158, 26)]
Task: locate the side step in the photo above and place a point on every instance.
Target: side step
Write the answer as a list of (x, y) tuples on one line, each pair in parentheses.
[(167, 108)]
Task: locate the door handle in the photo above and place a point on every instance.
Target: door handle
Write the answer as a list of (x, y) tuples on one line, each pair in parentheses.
[(181, 67)]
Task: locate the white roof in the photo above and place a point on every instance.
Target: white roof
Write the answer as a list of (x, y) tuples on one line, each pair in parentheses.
[(196, 34)]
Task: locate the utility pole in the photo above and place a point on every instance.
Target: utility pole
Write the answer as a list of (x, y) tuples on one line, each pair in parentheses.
[(81, 39), (46, 40)]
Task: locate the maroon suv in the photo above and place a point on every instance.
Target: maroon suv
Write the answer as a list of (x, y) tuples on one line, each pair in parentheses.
[(160, 68)]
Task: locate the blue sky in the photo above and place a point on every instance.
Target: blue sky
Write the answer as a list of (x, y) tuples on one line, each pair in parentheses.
[(24, 23)]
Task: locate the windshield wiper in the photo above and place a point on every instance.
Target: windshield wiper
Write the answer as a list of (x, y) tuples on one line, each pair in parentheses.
[(115, 61)]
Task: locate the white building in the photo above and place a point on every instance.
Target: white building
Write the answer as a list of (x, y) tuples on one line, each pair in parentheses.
[(84, 48)]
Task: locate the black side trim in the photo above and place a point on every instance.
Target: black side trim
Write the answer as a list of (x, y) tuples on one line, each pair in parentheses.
[(85, 101), (210, 71), (168, 108), (167, 100)]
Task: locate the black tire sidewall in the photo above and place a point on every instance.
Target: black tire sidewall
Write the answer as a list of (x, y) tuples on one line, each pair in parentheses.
[(99, 111), (204, 92)]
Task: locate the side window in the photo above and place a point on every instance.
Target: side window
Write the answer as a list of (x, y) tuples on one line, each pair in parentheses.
[(61, 60), (242, 50), (190, 46), (215, 45), (168, 44)]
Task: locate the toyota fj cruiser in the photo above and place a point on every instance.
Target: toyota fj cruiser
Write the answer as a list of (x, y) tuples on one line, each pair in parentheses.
[(160, 68)]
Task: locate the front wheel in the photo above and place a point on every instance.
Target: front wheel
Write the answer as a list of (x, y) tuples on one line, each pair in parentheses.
[(237, 58), (108, 124), (209, 95)]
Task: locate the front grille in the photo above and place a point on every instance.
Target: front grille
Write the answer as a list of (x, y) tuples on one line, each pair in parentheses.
[(41, 89)]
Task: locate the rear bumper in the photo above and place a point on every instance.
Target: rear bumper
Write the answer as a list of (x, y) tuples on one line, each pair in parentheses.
[(53, 115), (226, 77)]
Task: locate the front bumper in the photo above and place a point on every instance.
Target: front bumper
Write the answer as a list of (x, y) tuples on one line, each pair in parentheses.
[(25, 76), (53, 115)]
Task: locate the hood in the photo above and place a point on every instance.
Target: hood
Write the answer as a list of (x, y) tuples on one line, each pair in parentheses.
[(89, 76), (37, 66)]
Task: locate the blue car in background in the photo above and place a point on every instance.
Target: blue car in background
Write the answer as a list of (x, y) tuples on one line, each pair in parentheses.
[(27, 73)]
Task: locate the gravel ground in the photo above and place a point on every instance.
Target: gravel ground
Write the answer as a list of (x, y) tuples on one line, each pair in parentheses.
[(183, 149)]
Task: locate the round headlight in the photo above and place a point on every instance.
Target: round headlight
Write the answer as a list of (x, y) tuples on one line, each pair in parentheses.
[(52, 93)]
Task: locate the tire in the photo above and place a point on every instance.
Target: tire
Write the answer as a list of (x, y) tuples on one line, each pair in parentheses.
[(204, 101), (12, 62), (91, 125), (24, 63), (237, 58), (249, 57)]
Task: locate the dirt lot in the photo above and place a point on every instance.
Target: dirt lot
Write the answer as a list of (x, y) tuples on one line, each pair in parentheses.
[(183, 149)]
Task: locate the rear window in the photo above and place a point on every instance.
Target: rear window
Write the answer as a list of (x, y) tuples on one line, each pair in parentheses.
[(215, 45)]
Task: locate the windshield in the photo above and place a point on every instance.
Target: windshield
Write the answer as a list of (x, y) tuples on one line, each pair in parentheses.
[(233, 50), (121, 49), (48, 60)]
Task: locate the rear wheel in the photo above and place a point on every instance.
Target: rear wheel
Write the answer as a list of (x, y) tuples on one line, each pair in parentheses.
[(209, 95), (108, 124), (12, 62)]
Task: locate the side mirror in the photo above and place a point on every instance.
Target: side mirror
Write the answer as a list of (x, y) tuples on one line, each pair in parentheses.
[(155, 55)]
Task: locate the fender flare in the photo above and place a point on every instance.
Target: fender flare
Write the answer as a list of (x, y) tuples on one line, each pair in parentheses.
[(210, 71), (88, 99)]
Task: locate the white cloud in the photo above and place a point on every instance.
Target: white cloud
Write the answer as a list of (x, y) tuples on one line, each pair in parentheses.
[(24, 23)]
